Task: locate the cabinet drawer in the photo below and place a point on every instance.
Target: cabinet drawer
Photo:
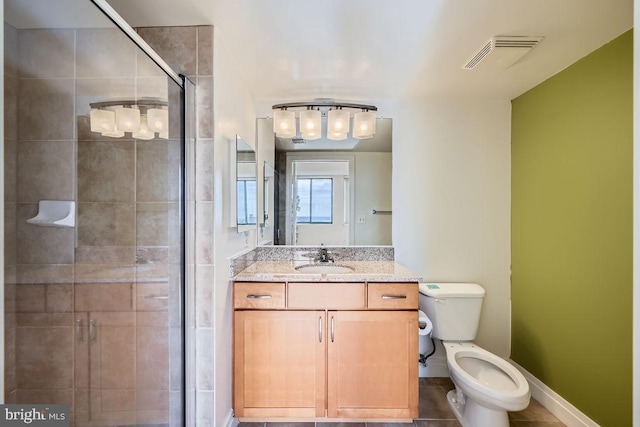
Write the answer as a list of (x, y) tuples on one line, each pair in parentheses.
[(326, 295), (258, 295), (392, 296)]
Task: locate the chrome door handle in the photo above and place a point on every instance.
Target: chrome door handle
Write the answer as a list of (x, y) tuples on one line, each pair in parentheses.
[(79, 330), (251, 296), (332, 329), (92, 330), (320, 329), (394, 297)]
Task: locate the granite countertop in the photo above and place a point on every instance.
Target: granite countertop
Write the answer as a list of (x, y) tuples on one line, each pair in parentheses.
[(373, 271)]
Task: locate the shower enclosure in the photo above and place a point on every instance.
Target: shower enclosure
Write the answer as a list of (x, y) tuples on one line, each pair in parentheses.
[(94, 283)]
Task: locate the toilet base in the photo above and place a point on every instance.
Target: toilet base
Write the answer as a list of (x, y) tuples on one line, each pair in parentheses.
[(471, 414)]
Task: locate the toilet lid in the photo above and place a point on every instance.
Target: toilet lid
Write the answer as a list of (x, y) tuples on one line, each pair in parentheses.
[(452, 290), (487, 373)]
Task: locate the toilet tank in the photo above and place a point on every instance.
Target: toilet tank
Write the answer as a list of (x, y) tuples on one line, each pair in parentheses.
[(453, 308)]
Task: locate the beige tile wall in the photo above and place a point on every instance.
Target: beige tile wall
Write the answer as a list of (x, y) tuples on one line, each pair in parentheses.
[(45, 155), (10, 208), (189, 51)]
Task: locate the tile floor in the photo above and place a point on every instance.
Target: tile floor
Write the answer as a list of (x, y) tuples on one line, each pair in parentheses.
[(434, 412)]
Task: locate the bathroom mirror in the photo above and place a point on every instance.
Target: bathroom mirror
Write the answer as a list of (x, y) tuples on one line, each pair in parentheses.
[(329, 192), (246, 186)]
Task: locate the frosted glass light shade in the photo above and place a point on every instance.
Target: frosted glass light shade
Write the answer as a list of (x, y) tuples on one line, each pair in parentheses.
[(310, 136), (102, 120), (337, 122), (364, 125), (284, 123), (336, 136), (144, 132), (127, 119), (114, 134), (310, 122), (158, 121)]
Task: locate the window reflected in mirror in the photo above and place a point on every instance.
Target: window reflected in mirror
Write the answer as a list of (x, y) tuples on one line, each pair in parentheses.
[(246, 186)]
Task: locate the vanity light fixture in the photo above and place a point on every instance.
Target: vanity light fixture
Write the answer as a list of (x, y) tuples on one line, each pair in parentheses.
[(310, 124), (142, 118), (364, 124), (284, 123), (337, 124), (336, 113)]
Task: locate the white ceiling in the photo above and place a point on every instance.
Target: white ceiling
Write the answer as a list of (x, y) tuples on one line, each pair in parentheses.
[(390, 49), (355, 50)]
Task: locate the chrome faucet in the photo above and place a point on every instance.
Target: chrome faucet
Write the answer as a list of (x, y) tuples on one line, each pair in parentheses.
[(323, 256)]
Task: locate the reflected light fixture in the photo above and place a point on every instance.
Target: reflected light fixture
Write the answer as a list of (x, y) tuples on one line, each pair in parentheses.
[(142, 118), (338, 119)]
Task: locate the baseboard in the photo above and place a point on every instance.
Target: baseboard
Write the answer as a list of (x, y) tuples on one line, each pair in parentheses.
[(230, 420), (436, 367), (556, 404)]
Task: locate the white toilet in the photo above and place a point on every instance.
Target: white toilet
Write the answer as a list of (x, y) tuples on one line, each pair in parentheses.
[(487, 386)]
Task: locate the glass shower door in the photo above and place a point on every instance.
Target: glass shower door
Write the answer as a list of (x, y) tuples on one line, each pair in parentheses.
[(94, 307)]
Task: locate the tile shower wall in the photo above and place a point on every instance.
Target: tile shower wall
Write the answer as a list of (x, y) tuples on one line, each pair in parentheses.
[(189, 50), (44, 166), (61, 283)]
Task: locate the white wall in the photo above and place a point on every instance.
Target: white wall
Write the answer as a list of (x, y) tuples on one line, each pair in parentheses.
[(234, 114), (451, 200)]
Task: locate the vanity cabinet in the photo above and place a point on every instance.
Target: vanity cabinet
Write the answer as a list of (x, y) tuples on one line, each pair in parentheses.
[(336, 350), (372, 370), (280, 361)]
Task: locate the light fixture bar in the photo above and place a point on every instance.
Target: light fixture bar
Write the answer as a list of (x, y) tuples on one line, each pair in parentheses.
[(324, 103), (338, 119), (149, 103)]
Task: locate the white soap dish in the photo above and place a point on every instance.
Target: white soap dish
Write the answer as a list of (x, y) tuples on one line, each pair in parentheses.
[(55, 213)]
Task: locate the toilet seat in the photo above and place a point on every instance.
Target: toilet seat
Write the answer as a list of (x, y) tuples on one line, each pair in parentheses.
[(487, 378)]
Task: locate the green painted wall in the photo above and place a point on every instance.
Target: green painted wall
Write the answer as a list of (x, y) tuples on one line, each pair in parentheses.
[(572, 145)]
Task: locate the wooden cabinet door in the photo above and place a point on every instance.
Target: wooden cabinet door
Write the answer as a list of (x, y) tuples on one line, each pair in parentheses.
[(372, 366), (279, 363)]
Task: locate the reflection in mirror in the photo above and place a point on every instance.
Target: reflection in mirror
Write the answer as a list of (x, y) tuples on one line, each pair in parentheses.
[(326, 192), (246, 189), (318, 207), (268, 198)]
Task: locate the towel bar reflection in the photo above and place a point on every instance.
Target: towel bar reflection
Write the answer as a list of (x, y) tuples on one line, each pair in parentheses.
[(377, 212), (156, 296)]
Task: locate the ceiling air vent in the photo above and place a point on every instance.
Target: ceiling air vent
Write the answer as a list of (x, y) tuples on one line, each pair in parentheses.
[(503, 51)]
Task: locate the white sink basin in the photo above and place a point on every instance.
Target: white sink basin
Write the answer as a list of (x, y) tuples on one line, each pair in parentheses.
[(324, 269)]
